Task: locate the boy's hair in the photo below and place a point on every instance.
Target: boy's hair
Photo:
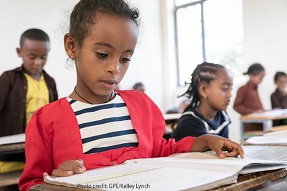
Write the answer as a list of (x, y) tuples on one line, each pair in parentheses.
[(204, 72), (85, 12), (278, 75), (34, 34), (254, 69)]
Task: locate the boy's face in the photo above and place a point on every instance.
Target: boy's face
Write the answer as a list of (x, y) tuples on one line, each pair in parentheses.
[(281, 83), (34, 54)]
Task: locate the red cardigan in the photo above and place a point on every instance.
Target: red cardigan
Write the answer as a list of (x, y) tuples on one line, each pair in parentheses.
[(53, 137)]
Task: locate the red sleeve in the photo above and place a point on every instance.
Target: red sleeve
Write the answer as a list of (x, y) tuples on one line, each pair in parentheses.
[(238, 104), (38, 151)]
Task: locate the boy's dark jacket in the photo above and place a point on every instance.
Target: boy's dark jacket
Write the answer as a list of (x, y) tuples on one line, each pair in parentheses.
[(13, 89)]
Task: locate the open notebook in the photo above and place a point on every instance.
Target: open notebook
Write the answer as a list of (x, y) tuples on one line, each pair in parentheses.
[(272, 138), (197, 171)]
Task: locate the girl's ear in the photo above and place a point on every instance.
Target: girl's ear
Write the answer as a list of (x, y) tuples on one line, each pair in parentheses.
[(70, 46), (202, 90)]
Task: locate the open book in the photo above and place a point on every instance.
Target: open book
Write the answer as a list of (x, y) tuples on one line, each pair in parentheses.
[(273, 138), (196, 171)]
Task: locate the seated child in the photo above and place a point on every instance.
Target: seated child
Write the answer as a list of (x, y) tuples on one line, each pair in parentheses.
[(210, 91), (97, 124), (279, 96)]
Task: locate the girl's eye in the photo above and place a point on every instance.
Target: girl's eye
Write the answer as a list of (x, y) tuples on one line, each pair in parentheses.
[(125, 60), (102, 55)]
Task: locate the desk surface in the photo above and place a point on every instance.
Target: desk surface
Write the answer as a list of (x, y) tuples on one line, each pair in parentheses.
[(172, 116), (12, 148), (268, 115), (244, 182)]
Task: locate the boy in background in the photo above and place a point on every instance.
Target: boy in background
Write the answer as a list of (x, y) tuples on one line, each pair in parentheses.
[(24, 90)]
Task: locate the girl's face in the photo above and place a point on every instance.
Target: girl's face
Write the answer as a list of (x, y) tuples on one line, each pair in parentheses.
[(256, 79), (218, 91), (104, 56), (281, 83)]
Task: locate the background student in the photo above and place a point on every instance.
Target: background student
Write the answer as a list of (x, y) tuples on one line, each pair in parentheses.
[(23, 90), (210, 92), (101, 126), (139, 86), (279, 96), (247, 99)]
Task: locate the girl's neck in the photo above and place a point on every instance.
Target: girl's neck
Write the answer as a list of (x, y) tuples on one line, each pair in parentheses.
[(208, 113), (78, 96)]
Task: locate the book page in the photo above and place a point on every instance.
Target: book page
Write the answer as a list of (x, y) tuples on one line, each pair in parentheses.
[(18, 138), (138, 176), (269, 139), (278, 153), (167, 173)]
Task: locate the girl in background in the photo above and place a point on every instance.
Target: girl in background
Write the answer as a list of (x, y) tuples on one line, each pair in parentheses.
[(210, 92), (247, 100)]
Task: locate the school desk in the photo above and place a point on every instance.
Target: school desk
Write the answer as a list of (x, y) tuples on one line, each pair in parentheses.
[(243, 182), (266, 179), (169, 120), (11, 178), (265, 118), (12, 148), (172, 116)]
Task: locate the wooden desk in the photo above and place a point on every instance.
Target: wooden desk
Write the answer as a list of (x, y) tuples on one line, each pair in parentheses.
[(12, 148), (172, 116), (169, 120), (243, 182), (11, 178), (265, 118)]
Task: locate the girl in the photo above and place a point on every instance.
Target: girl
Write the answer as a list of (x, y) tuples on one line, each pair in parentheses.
[(95, 123), (210, 90), (247, 100)]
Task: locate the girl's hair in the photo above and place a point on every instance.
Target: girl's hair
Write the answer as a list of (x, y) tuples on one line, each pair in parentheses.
[(85, 12), (278, 75), (204, 72), (254, 69)]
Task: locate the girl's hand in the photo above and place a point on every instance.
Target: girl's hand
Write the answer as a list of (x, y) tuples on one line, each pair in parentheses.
[(219, 145), (68, 168)]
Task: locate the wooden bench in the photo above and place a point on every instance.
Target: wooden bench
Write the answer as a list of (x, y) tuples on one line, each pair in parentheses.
[(9, 178)]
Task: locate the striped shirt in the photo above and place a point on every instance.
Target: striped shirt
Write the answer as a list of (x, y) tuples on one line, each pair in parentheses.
[(104, 126)]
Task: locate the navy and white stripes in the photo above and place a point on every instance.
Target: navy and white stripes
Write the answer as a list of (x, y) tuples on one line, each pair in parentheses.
[(104, 126)]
